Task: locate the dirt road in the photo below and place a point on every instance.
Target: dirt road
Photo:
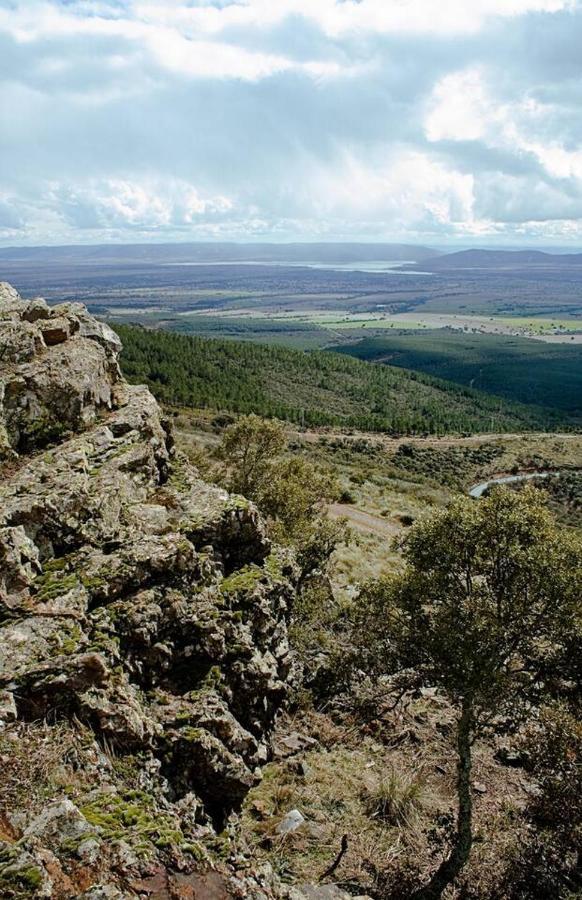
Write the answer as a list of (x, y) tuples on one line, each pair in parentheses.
[(363, 521)]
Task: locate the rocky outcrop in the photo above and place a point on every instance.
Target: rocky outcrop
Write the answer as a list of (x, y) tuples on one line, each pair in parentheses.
[(134, 598)]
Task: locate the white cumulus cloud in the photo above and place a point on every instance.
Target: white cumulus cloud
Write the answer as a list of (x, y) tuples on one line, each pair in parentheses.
[(371, 119)]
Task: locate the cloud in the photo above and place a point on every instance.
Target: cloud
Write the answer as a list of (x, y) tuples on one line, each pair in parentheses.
[(520, 199), (408, 191), (114, 203), (10, 220), (460, 108), (291, 119), (182, 50), (338, 17)]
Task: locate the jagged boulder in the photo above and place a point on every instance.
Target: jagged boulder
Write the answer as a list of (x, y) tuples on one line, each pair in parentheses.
[(134, 597), (46, 394)]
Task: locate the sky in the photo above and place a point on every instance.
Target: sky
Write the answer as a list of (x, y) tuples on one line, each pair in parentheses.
[(443, 123)]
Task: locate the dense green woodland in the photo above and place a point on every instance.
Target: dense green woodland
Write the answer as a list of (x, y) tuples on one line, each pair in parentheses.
[(521, 369), (318, 388)]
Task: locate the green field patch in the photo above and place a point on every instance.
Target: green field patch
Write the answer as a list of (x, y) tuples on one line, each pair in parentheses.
[(301, 335), (542, 325)]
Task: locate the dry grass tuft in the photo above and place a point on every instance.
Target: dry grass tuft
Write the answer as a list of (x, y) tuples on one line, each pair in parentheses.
[(33, 762), (398, 799)]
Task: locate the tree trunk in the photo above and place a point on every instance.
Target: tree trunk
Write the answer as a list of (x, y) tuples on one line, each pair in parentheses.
[(450, 867)]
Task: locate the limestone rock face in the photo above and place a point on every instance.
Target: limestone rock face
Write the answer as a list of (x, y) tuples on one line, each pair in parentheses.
[(134, 597)]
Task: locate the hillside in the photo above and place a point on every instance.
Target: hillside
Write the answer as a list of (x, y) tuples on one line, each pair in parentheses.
[(216, 252), (515, 368), (498, 259), (182, 714), (312, 388)]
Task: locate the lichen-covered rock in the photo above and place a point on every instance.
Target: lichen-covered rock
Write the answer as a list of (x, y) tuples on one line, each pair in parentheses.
[(19, 563), (134, 597), (23, 874), (59, 370), (60, 824), (8, 711)]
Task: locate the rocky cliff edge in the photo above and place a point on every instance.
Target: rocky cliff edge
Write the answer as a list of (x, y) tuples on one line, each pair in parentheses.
[(137, 602)]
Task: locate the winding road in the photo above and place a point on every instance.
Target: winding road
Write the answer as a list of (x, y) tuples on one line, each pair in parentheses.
[(479, 489)]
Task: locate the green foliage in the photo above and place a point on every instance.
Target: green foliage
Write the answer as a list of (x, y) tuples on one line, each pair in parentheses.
[(316, 543), (248, 447), (294, 493), (492, 587), (321, 638), (553, 743), (448, 465), (289, 490), (528, 371), (548, 863), (565, 497), (317, 388)]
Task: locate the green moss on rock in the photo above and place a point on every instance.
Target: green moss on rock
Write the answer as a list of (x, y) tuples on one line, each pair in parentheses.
[(134, 817), (92, 582), (244, 579), (237, 502), (51, 585)]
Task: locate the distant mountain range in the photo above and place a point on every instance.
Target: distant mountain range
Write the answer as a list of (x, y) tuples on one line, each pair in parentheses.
[(409, 255), (213, 253), (501, 259)]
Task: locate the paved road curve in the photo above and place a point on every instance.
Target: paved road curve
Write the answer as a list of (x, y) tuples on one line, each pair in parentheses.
[(479, 489)]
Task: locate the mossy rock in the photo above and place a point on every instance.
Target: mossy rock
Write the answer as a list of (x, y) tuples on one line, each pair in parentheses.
[(242, 580), (53, 584), (20, 877), (67, 639), (135, 818)]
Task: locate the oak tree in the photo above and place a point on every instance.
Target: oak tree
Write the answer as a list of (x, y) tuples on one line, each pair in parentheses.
[(481, 609)]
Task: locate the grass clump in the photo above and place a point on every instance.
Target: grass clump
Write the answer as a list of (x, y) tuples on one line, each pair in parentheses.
[(397, 799), (33, 762)]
